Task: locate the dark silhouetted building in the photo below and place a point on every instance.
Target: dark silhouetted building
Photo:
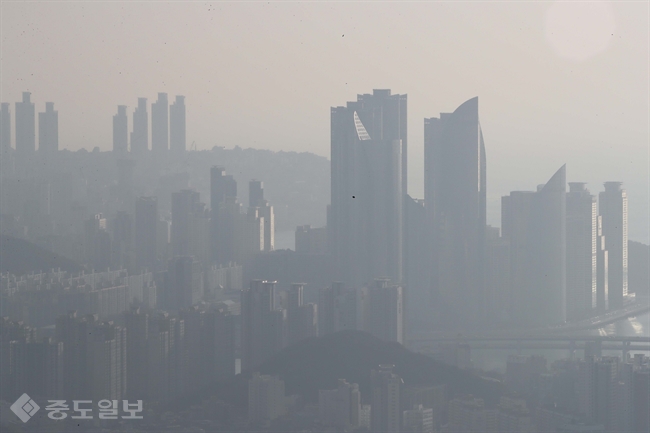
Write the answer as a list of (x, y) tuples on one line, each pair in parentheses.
[(385, 389)]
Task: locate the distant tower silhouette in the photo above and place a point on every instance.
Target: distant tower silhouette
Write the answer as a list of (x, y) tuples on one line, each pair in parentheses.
[(140, 134), (48, 129), (160, 125), (177, 134), (25, 126), (120, 131)]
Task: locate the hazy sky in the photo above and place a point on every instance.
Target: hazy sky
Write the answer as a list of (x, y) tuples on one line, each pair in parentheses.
[(557, 82)]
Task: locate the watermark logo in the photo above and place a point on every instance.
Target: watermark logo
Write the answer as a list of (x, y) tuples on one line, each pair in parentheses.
[(25, 408)]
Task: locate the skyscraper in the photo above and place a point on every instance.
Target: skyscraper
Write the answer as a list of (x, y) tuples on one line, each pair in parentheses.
[(223, 189), (48, 129), (581, 270), (120, 131), (25, 126), (5, 128), (455, 201), (255, 193), (535, 225), (612, 206), (256, 200), (160, 125), (368, 148), (602, 268), (177, 134), (140, 134), (146, 220), (385, 400)]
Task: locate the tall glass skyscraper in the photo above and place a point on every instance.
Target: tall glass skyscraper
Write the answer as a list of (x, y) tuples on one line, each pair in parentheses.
[(368, 185), (455, 201)]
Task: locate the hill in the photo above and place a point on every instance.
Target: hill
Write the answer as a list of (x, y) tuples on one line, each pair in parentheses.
[(318, 363), (19, 256)]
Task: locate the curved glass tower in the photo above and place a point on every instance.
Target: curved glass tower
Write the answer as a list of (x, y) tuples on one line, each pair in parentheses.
[(455, 200)]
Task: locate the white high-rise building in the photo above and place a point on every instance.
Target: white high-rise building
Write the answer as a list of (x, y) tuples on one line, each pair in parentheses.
[(612, 206)]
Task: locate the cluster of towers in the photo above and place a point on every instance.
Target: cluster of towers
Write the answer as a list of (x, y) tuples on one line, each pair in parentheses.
[(541, 268), (25, 132), (167, 127)]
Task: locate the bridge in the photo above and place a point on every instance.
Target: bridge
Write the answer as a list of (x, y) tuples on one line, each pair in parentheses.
[(569, 336)]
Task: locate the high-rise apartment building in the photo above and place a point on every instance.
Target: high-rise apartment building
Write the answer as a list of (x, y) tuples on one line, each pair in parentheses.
[(256, 200), (94, 358), (223, 196), (302, 319), (455, 200), (340, 407), (48, 129), (602, 269), (140, 134), (177, 131), (534, 223), (368, 148), (120, 131), (337, 309), (25, 126), (146, 221), (581, 252), (265, 398), (185, 282), (160, 125), (612, 206), (385, 389), (384, 311), (5, 128), (258, 337), (418, 419)]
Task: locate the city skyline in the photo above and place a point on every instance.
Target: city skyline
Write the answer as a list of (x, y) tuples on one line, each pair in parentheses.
[(553, 103)]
